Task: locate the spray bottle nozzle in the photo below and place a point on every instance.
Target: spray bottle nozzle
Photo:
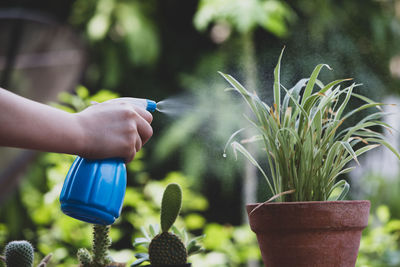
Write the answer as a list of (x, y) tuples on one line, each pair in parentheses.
[(151, 105)]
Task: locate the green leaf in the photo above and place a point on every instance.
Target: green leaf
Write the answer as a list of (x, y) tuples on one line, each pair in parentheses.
[(349, 149), (145, 233), (344, 104), (141, 257), (277, 84), (343, 162), (345, 187), (230, 139), (311, 82), (386, 144), (295, 92), (193, 247), (238, 147), (331, 85), (366, 99), (154, 230), (140, 241), (239, 88), (176, 231), (297, 105)]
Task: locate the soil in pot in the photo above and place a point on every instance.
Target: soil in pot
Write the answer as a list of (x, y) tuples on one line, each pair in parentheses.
[(306, 234)]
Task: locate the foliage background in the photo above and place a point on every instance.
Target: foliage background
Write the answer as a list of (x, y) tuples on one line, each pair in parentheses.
[(158, 49)]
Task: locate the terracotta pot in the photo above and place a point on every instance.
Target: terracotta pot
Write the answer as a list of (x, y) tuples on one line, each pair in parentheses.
[(308, 234), (180, 265)]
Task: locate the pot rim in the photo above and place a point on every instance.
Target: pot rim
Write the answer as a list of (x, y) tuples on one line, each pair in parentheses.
[(310, 202), (254, 207)]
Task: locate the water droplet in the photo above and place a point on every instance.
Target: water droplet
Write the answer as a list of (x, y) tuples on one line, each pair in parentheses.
[(224, 155)]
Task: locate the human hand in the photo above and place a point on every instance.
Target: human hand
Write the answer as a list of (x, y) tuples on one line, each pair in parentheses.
[(115, 128)]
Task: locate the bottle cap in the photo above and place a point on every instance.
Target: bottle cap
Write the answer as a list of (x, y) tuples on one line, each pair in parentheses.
[(151, 105)]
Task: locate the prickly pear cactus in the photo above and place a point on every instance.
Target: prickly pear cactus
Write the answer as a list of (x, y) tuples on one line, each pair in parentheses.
[(19, 254), (170, 206), (167, 248)]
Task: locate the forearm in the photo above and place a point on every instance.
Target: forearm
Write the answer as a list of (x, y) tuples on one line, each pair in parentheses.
[(28, 124)]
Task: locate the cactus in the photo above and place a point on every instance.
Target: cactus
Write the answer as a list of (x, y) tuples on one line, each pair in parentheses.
[(99, 255), (84, 257), (101, 243), (19, 254), (170, 206), (167, 248)]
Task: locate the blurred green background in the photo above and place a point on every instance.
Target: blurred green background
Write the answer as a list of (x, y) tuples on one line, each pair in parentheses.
[(170, 48)]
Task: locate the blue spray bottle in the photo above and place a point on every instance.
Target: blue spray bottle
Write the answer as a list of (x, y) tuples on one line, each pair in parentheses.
[(94, 190)]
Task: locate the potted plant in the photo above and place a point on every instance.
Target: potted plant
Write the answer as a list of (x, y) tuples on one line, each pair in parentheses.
[(167, 248), (98, 257), (305, 223), (20, 253)]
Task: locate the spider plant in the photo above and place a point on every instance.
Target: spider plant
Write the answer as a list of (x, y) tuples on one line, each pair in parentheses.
[(300, 135)]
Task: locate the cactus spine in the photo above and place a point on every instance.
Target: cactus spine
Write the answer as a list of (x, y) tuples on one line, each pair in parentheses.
[(19, 254), (167, 248)]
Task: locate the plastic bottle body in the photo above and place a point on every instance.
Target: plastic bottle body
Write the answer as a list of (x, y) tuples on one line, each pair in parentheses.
[(94, 190)]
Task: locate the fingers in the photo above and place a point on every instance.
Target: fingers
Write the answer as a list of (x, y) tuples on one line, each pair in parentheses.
[(144, 113), (144, 129), (135, 148), (131, 156), (142, 118), (140, 130), (139, 107)]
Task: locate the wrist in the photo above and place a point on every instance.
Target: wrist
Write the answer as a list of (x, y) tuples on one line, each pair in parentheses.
[(80, 136)]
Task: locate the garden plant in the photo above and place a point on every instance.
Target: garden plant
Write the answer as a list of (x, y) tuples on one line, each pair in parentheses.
[(20, 253), (301, 136), (99, 256), (307, 149), (167, 248)]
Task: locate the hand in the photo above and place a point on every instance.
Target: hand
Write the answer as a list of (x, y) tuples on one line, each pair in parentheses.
[(115, 128)]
